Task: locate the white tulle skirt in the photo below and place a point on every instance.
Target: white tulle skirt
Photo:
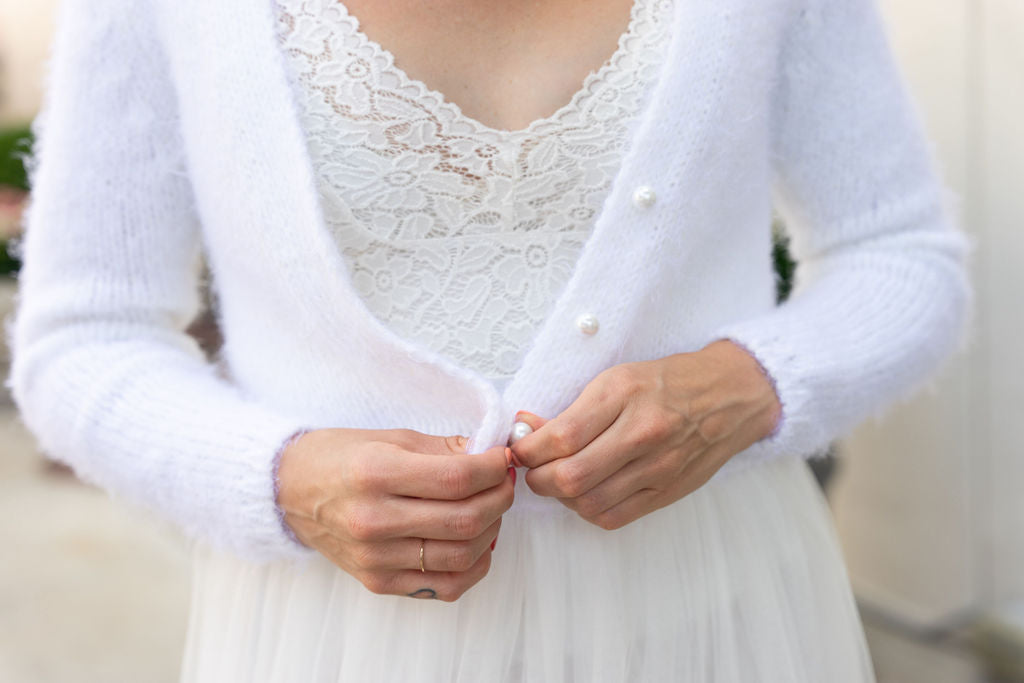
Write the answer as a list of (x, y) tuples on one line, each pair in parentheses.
[(741, 581)]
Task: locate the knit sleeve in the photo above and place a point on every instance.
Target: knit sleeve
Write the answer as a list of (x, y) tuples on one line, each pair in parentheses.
[(102, 371), (882, 296)]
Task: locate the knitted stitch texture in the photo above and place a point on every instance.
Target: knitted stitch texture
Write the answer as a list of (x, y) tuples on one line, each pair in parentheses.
[(170, 131)]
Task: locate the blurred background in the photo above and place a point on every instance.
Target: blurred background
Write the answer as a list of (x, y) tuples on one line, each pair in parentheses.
[(929, 500)]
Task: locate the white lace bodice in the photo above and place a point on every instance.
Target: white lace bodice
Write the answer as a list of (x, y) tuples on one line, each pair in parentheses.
[(458, 235)]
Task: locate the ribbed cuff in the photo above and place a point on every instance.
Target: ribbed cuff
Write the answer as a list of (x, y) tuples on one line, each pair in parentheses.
[(277, 483)]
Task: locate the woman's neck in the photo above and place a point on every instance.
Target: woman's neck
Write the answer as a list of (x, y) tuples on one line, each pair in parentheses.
[(505, 63)]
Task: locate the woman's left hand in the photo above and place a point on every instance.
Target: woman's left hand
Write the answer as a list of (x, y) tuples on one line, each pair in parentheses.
[(642, 435)]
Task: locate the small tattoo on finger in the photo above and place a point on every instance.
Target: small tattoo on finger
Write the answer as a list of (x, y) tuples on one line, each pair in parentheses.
[(424, 594)]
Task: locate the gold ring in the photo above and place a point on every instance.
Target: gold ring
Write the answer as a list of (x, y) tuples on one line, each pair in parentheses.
[(423, 542)]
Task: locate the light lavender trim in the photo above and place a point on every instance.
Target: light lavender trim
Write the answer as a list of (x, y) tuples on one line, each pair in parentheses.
[(277, 483)]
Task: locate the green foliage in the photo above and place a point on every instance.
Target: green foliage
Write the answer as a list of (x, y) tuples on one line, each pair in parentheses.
[(785, 266), (14, 143), (9, 265)]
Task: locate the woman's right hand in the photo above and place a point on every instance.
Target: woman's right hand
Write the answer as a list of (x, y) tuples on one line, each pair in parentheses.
[(365, 499)]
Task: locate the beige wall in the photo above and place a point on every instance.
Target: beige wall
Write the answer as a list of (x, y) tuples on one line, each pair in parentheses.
[(931, 506), (25, 28)]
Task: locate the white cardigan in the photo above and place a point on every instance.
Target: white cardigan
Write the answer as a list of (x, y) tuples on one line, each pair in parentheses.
[(169, 130)]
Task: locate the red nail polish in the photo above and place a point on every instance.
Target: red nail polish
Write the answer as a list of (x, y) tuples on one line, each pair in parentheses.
[(494, 542), (512, 471)]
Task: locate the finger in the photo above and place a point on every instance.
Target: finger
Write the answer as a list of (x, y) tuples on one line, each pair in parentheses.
[(535, 421), (447, 586), (396, 471), (413, 440), (637, 475), (442, 519), (457, 556), (704, 465), (597, 461), (420, 442), (697, 472), (591, 413), (404, 553), (629, 510)]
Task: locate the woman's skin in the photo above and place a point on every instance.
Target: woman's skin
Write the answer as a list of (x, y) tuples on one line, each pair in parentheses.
[(366, 498), (643, 435), (640, 435), (505, 63)]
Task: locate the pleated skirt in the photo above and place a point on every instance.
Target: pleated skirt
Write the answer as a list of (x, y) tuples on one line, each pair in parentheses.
[(741, 581)]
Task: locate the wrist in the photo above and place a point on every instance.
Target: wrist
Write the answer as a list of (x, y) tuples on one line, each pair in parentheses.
[(751, 379), (276, 474)]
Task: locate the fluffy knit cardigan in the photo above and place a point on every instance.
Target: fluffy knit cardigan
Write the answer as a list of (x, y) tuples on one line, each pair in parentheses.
[(170, 134)]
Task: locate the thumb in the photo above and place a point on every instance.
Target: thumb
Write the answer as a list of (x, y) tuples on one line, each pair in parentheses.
[(433, 444), (535, 421), (450, 445)]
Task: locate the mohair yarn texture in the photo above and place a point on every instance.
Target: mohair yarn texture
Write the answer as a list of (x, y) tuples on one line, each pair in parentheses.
[(169, 133)]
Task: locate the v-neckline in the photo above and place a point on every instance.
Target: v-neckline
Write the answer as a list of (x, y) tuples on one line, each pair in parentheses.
[(353, 26), (337, 278)]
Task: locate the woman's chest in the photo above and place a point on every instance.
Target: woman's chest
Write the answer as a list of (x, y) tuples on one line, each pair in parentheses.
[(672, 210), (455, 233), (504, 64), (398, 160)]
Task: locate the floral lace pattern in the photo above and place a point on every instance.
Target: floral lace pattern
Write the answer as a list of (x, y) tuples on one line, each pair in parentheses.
[(458, 235)]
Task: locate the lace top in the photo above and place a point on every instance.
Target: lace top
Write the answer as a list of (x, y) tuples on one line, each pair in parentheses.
[(458, 235)]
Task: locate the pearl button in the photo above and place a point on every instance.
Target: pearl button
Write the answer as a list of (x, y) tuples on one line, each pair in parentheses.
[(644, 197), (587, 323), (519, 430)]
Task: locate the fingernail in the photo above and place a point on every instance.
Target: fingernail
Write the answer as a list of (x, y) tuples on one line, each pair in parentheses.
[(494, 542), (508, 456), (512, 471)]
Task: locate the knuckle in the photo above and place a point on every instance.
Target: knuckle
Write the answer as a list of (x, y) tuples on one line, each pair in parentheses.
[(655, 428), (456, 480), (459, 558), (625, 378), (608, 521), (363, 475), (465, 523), (363, 524), (365, 557), (569, 479), (589, 506), (563, 434), (376, 583), (451, 594)]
